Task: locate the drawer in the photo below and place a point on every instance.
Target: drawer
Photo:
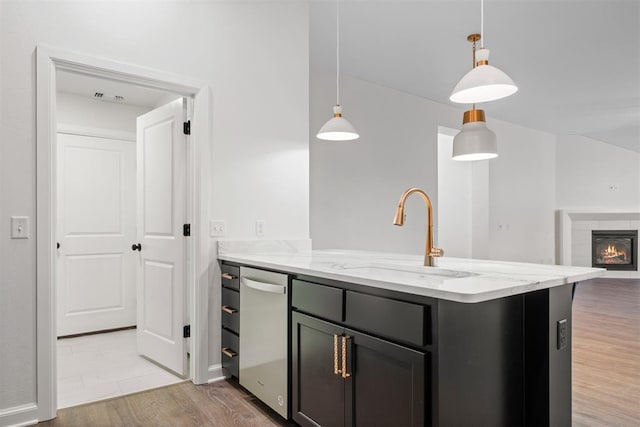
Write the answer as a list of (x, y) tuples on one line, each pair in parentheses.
[(230, 276), (320, 300), (394, 319), (231, 310), (230, 352)]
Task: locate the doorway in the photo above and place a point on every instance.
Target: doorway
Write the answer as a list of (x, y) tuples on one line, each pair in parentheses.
[(100, 352), (194, 176)]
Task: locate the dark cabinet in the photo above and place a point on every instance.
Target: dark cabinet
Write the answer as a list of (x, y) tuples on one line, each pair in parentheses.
[(366, 356), (383, 376), (341, 377), (318, 392), (230, 314)]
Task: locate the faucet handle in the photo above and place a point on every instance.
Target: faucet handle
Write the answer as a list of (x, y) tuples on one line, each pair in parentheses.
[(436, 252)]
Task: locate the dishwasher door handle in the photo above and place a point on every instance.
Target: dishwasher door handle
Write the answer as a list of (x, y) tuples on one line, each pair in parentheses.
[(264, 287)]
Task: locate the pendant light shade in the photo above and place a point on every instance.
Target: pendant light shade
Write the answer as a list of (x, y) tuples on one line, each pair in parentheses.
[(475, 141), (483, 83), (337, 128)]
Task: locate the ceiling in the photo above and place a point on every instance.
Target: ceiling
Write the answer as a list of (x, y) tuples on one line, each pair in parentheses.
[(576, 63), (84, 85)]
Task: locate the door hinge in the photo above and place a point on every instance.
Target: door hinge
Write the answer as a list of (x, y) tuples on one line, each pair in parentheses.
[(186, 230), (186, 127), (186, 331)]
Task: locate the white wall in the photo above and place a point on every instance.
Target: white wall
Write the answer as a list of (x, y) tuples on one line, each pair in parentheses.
[(254, 55), (463, 202), (455, 201), (355, 186), (593, 175), (481, 210), (88, 112), (522, 195)]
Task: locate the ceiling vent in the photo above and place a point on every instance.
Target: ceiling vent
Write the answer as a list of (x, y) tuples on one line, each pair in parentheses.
[(117, 99)]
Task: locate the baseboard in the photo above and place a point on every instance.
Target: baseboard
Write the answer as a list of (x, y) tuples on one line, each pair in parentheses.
[(617, 274), (216, 373), (18, 416)]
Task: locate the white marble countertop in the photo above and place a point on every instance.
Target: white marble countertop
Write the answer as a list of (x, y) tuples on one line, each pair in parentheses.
[(455, 279)]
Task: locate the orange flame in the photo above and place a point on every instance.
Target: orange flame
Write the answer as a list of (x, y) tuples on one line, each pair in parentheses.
[(613, 252)]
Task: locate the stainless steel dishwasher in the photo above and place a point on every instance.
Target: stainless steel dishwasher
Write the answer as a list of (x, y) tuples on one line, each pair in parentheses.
[(263, 336)]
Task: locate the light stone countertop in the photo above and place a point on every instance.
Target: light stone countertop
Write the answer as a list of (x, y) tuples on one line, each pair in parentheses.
[(454, 279)]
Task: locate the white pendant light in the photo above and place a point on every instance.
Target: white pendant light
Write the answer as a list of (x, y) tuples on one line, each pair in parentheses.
[(475, 141), (484, 82), (337, 128)]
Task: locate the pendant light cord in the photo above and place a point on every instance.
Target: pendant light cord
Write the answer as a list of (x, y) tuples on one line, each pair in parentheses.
[(337, 52), (481, 24)]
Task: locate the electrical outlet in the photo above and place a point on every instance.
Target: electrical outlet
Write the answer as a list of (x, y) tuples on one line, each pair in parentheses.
[(562, 334), (260, 226), (217, 228)]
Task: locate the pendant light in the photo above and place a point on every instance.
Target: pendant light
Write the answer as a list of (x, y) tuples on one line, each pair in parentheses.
[(337, 128), (475, 141), (484, 82)]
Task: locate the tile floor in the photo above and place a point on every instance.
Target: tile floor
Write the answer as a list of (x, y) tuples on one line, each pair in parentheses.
[(96, 367)]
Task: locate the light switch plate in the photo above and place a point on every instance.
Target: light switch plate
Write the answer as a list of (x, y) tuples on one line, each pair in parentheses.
[(19, 227), (217, 228), (260, 226)]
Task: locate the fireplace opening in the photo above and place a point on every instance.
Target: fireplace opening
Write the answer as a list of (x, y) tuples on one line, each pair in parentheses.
[(614, 249)]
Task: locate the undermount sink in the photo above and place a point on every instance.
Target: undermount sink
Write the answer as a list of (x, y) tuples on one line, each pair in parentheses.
[(401, 272)]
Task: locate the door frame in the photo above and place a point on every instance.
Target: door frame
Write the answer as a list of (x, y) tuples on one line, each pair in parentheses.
[(49, 60)]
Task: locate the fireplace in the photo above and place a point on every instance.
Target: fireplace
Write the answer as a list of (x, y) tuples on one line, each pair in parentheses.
[(615, 249)]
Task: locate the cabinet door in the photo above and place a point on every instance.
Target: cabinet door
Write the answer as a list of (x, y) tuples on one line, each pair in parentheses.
[(386, 386), (318, 393)]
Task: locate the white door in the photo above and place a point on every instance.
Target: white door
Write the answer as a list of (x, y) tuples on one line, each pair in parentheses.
[(161, 162), (95, 225)]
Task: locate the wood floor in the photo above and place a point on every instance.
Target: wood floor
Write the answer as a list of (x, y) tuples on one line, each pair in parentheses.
[(606, 353), (606, 377), (221, 404)]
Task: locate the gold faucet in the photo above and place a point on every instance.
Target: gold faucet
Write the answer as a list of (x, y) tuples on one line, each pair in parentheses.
[(430, 253)]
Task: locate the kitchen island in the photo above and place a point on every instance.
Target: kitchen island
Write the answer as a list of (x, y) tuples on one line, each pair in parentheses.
[(379, 339)]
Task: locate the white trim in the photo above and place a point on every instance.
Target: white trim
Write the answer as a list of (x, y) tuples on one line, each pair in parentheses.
[(18, 416), (448, 131), (46, 380), (71, 129), (216, 373), (49, 60), (201, 137)]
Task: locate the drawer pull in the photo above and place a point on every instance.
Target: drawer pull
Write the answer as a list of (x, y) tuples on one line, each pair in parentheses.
[(336, 369), (229, 309), (229, 353), (228, 276), (345, 340)]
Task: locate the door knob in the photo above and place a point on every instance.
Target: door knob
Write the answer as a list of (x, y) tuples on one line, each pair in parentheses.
[(136, 247)]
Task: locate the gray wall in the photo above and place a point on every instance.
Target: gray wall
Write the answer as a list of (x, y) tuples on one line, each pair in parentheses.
[(254, 55), (355, 185)]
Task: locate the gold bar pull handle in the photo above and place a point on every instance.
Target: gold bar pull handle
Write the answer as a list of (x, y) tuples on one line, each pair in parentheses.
[(336, 369), (229, 353), (345, 340), (228, 276), (229, 309)]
